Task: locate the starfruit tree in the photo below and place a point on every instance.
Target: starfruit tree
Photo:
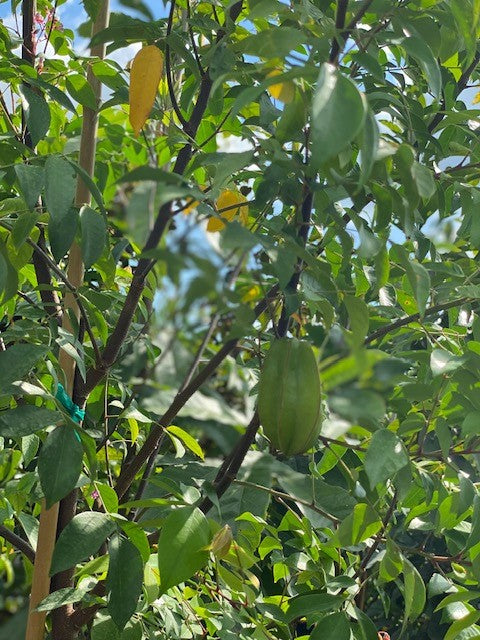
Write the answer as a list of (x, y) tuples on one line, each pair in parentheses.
[(181, 188)]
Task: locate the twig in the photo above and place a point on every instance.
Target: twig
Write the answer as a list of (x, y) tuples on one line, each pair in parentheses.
[(168, 71), (339, 24), (18, 542), (378, 538), (414, 317), (286, 496), (117, 337), (194, 44), (127, 474), (73, 290)]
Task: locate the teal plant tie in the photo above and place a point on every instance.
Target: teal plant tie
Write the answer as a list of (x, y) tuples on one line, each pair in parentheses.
[(73, 409)]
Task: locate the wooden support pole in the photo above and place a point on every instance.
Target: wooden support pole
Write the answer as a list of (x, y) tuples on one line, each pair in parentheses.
[(49, 517)]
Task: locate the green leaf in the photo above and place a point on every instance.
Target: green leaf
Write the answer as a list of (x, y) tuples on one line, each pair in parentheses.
[(474, 537), (272, 43), (17, 361), (92, 187), (105, 629), (94, 235), (80, 539), (26, 419), (418, 277), (338, 114), (31, 179), (424, 180), (59, 464), (385, 456), (365, 629), (187, 440), (3, 274), (462, 12), (311, 605), (81, 91), (182, 547), (64, 596), (414, 591), (391, 563), (37, 113), (464, 623), (369, 147), (419, 49), (108, 497), (137, 536), (8, 276), (358, 406), (358, 318), (22, 228), (60, 186), (459, 596), (363, 523), (335, 626), (442, 361), (61, 234), (124, 580)]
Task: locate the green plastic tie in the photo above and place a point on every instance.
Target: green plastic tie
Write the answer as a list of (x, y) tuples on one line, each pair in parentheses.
[(73, 409)]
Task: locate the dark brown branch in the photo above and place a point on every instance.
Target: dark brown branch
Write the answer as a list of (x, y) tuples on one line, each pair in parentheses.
[(127, 475), (17, 542), (117, 337), (378, 538), (228, 472), (232, 463), (414, 317), (168, 71), (47, 293), (341, 14), (192, 40)]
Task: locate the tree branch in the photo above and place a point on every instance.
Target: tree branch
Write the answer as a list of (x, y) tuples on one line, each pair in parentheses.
[(117, 337), (341, 14), (17, 542), (127, 474), (402, 322)]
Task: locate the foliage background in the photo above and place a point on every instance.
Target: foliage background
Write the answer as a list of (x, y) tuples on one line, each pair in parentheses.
[(362, 238)]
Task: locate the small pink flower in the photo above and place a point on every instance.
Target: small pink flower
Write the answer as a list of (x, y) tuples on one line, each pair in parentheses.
[(38, 18), (95, 494)]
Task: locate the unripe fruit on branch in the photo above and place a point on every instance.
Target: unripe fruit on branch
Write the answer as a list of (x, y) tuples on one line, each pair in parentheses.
[(289, 396)]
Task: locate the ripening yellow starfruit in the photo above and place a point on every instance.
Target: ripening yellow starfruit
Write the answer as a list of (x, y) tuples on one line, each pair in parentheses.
[(145, 75), (289, 396), (226, 199), (283, 91)]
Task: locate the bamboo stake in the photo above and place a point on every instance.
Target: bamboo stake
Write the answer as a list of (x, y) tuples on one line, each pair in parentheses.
[(48, 517)]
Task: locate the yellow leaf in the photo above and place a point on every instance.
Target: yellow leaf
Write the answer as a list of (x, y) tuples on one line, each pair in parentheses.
[(252, 293), (222, 542), (145, 75), (476, 99), (193, 204), (283, 91), (227, 199)]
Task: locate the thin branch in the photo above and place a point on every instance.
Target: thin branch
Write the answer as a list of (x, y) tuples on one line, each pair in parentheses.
[(378, 538), (286, 496), (341, 14), (18, 542), (128, 473), (168, 71), (414, 317), (194, 44), (145, 265), (62, 276)]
